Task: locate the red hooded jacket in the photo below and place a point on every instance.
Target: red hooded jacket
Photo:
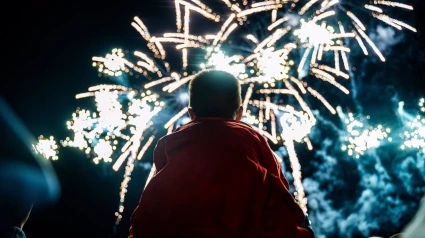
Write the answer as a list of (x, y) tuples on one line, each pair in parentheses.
[(216, 178)]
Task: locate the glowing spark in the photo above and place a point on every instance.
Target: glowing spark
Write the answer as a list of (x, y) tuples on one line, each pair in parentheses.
[(394, 4), (299, 84), (314, 56), (141, 28), (203, 12), (159, 81), (303, 60), (175, 118), (258, 9), (345, 61), (201, 5), (160, 47), (227, 2), (322, 99), (111, 125), (307, 6), (330, 4), (277, 35), (320, 53), (228, 32), (362, 46), (267, 108), (247, 97), (276, 23), (394, 22), (151, 174), (370, 42), (361, 138), (313, 34), (329, 78), (277, 91), (223, 29), (338, 48), (189, 37), (269, 41), (356, 20), (273, 123), (266, 134), (373, 8), (296, 174), (261, 120), (145, 147), (150, 64), (274, 15), (337, 66), (47, 148), (295, 128), (386, 20), (124, 185), (120, 160), (173, 86), (184, 55), (112, 64), (289, 109), (262, 4), (229, 64), (236, 8), (334, 71), (170, 40), (302, 103), (323, 16), (252, 38)]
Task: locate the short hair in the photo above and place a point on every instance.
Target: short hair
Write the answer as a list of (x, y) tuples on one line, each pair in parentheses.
[(214, 93)]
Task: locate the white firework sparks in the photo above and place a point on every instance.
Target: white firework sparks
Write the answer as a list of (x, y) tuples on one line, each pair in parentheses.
[(113, 125), (360, 136), (47, 148)]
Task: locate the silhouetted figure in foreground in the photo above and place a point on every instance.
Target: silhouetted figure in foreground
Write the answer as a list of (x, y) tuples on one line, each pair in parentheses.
[(217, 176)]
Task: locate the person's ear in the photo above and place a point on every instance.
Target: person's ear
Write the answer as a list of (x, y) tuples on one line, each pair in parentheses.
[(239, 114), (191, 113)]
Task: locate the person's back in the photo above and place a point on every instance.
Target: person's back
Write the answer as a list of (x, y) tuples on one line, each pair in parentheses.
[(216, 177)]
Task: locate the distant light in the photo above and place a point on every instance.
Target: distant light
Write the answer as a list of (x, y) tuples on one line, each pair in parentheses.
[(184, 97), (185, 120)]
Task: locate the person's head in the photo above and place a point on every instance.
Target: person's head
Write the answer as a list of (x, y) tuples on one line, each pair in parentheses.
[(214, 93)]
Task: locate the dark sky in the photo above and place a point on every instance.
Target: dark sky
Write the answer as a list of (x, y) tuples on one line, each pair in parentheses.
[(47, 61), (49, 46)]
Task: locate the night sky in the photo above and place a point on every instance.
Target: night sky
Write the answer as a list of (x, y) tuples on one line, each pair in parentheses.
[(50, 45), (49, 48)]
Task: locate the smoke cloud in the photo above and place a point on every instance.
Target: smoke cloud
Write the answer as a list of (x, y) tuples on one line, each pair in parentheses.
[(375, 195), (386, 37)]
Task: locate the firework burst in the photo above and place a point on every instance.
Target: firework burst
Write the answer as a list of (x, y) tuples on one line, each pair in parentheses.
[(359, 136), (47, 148), (299, 38)]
